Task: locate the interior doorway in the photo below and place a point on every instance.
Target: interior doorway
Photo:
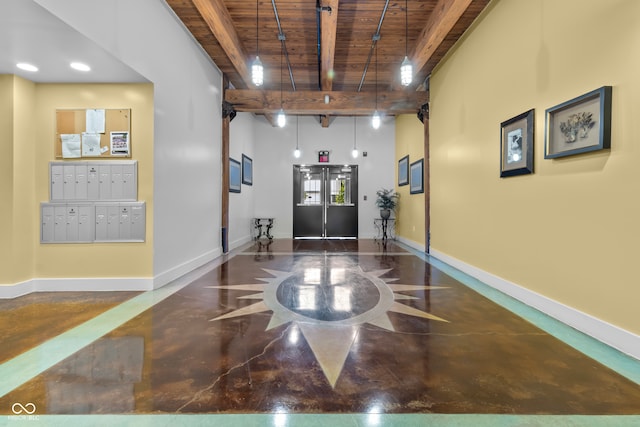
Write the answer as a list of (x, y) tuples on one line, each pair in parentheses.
[(325, 201)]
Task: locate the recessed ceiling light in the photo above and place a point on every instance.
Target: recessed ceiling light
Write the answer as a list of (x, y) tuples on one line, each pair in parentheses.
[(80, 66), (27, 67)]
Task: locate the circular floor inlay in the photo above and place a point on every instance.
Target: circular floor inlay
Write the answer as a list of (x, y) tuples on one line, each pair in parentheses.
[(328, 294)]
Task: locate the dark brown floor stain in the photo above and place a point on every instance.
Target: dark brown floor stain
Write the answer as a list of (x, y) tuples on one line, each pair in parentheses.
[(173, 358)]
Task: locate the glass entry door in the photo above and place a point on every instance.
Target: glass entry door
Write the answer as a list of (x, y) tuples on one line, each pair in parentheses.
[(325, 201)]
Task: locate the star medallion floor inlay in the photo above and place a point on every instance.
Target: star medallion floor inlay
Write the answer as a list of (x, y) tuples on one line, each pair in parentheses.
[(328, 305), (299, 328)]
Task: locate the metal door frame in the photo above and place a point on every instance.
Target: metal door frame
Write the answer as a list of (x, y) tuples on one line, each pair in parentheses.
[(325, 191)]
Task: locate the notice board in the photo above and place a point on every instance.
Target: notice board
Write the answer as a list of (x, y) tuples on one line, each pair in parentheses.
[(93, 133)]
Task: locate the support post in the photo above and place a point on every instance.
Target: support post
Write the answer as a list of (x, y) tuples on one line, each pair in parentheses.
[(226, 119)]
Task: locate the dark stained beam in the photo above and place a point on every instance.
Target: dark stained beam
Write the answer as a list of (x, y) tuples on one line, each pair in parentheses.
[(217, 17), (328, 27), (313, 102), (328, 30), (445, 15)]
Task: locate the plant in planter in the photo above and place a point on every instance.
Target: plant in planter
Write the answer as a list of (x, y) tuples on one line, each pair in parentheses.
[(387, 201)]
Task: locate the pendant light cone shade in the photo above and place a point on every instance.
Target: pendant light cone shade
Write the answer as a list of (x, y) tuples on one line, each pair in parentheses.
[(282, 119), (257, 72), (376, 120), (406, 72)]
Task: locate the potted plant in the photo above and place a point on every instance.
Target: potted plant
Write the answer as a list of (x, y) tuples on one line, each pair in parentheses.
[(387, 201)]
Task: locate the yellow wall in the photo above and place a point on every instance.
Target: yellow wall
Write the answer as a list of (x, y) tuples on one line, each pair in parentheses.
[(33, 148), (16, 176), (6, 175), (570, 231), (410, 211), (24, 215)]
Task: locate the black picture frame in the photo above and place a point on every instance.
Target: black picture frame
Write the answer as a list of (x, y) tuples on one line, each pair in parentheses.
[(403, 171), (416, 177), (517, 144), (235, 176), (247, 170), (580, 125)]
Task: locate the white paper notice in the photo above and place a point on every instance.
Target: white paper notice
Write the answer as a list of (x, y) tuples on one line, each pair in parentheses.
[(120, 143), (95, 121), (90, 144), (70, 145)]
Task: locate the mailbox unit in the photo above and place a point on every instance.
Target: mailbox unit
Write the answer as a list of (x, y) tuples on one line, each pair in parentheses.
[(93, 201)]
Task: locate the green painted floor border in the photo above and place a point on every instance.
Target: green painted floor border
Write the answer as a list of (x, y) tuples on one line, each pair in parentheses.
[(84, 334), (323, 420), (623, 364), (26, 366)]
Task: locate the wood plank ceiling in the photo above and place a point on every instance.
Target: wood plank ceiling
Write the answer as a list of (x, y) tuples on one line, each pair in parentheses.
[(310, 49)]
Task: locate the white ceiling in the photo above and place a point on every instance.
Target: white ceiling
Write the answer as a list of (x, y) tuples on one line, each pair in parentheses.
[(29, 33)]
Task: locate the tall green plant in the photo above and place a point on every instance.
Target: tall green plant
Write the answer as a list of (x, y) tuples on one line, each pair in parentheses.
[(387, 199)]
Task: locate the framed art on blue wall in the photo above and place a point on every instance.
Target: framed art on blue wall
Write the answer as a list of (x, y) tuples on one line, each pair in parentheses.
[(247, 170), (235, 175), (416, 175)]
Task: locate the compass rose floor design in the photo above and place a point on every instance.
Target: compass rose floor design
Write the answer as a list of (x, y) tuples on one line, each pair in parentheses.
[(306, 329)]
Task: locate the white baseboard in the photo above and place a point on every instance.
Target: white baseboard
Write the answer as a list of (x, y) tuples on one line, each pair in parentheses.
[(105, 284), (92, 284), (618, 338), (184, 268), (415, 245), (239, 242)]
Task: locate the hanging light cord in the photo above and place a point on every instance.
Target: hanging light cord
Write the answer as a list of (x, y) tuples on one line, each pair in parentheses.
[(257, 29), (406, 28), (354, 132), (376, 77)]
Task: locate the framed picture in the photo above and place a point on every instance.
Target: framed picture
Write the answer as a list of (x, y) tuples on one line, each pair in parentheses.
[(403, 171), (235, 175), (247, 170), (580, 125), (516, 145), (416, 174)]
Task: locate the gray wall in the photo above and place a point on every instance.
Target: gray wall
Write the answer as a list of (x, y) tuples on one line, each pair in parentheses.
[(146, 35)]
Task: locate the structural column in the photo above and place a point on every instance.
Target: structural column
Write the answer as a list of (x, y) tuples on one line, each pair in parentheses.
[(226, 120), (427, 173)]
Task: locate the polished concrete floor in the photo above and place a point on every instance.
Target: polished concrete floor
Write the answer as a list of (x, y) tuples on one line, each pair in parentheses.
[(306, 333)]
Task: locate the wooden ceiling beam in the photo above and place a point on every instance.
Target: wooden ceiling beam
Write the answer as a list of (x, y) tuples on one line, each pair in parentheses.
[(313, 102), (217, 17), (328, 31), (445, 15)]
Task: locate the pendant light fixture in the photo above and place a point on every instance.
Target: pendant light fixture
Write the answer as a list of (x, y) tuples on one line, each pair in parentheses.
[(257, 70), (375, 120), (354, 152), (282, 119), (406, 69), (297, 153)]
